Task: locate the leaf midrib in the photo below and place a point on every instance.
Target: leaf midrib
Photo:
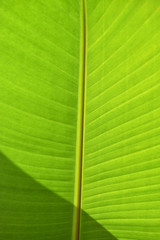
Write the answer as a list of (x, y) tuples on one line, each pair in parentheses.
[(80, 126)]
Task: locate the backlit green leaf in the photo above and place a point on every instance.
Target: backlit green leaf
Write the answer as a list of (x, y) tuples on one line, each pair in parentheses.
[(79, 120)]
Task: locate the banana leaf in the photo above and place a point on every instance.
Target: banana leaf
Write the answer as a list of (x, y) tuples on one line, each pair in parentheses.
[(79, 120)]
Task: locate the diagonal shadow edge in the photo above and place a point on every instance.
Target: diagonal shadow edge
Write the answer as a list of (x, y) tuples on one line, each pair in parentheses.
[(29, 211)]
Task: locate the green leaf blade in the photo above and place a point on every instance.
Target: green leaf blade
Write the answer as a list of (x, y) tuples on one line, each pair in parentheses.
[(38, 117), (121, 156)]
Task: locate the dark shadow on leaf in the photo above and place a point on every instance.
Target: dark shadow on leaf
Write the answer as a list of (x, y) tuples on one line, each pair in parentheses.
[(29, 211)]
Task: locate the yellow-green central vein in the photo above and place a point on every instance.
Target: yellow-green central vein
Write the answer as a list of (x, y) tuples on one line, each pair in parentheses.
[(80, 127)]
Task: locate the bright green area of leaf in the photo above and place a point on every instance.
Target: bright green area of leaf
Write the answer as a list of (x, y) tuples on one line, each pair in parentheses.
[(121, 173), (39, 83), (41, 64)]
